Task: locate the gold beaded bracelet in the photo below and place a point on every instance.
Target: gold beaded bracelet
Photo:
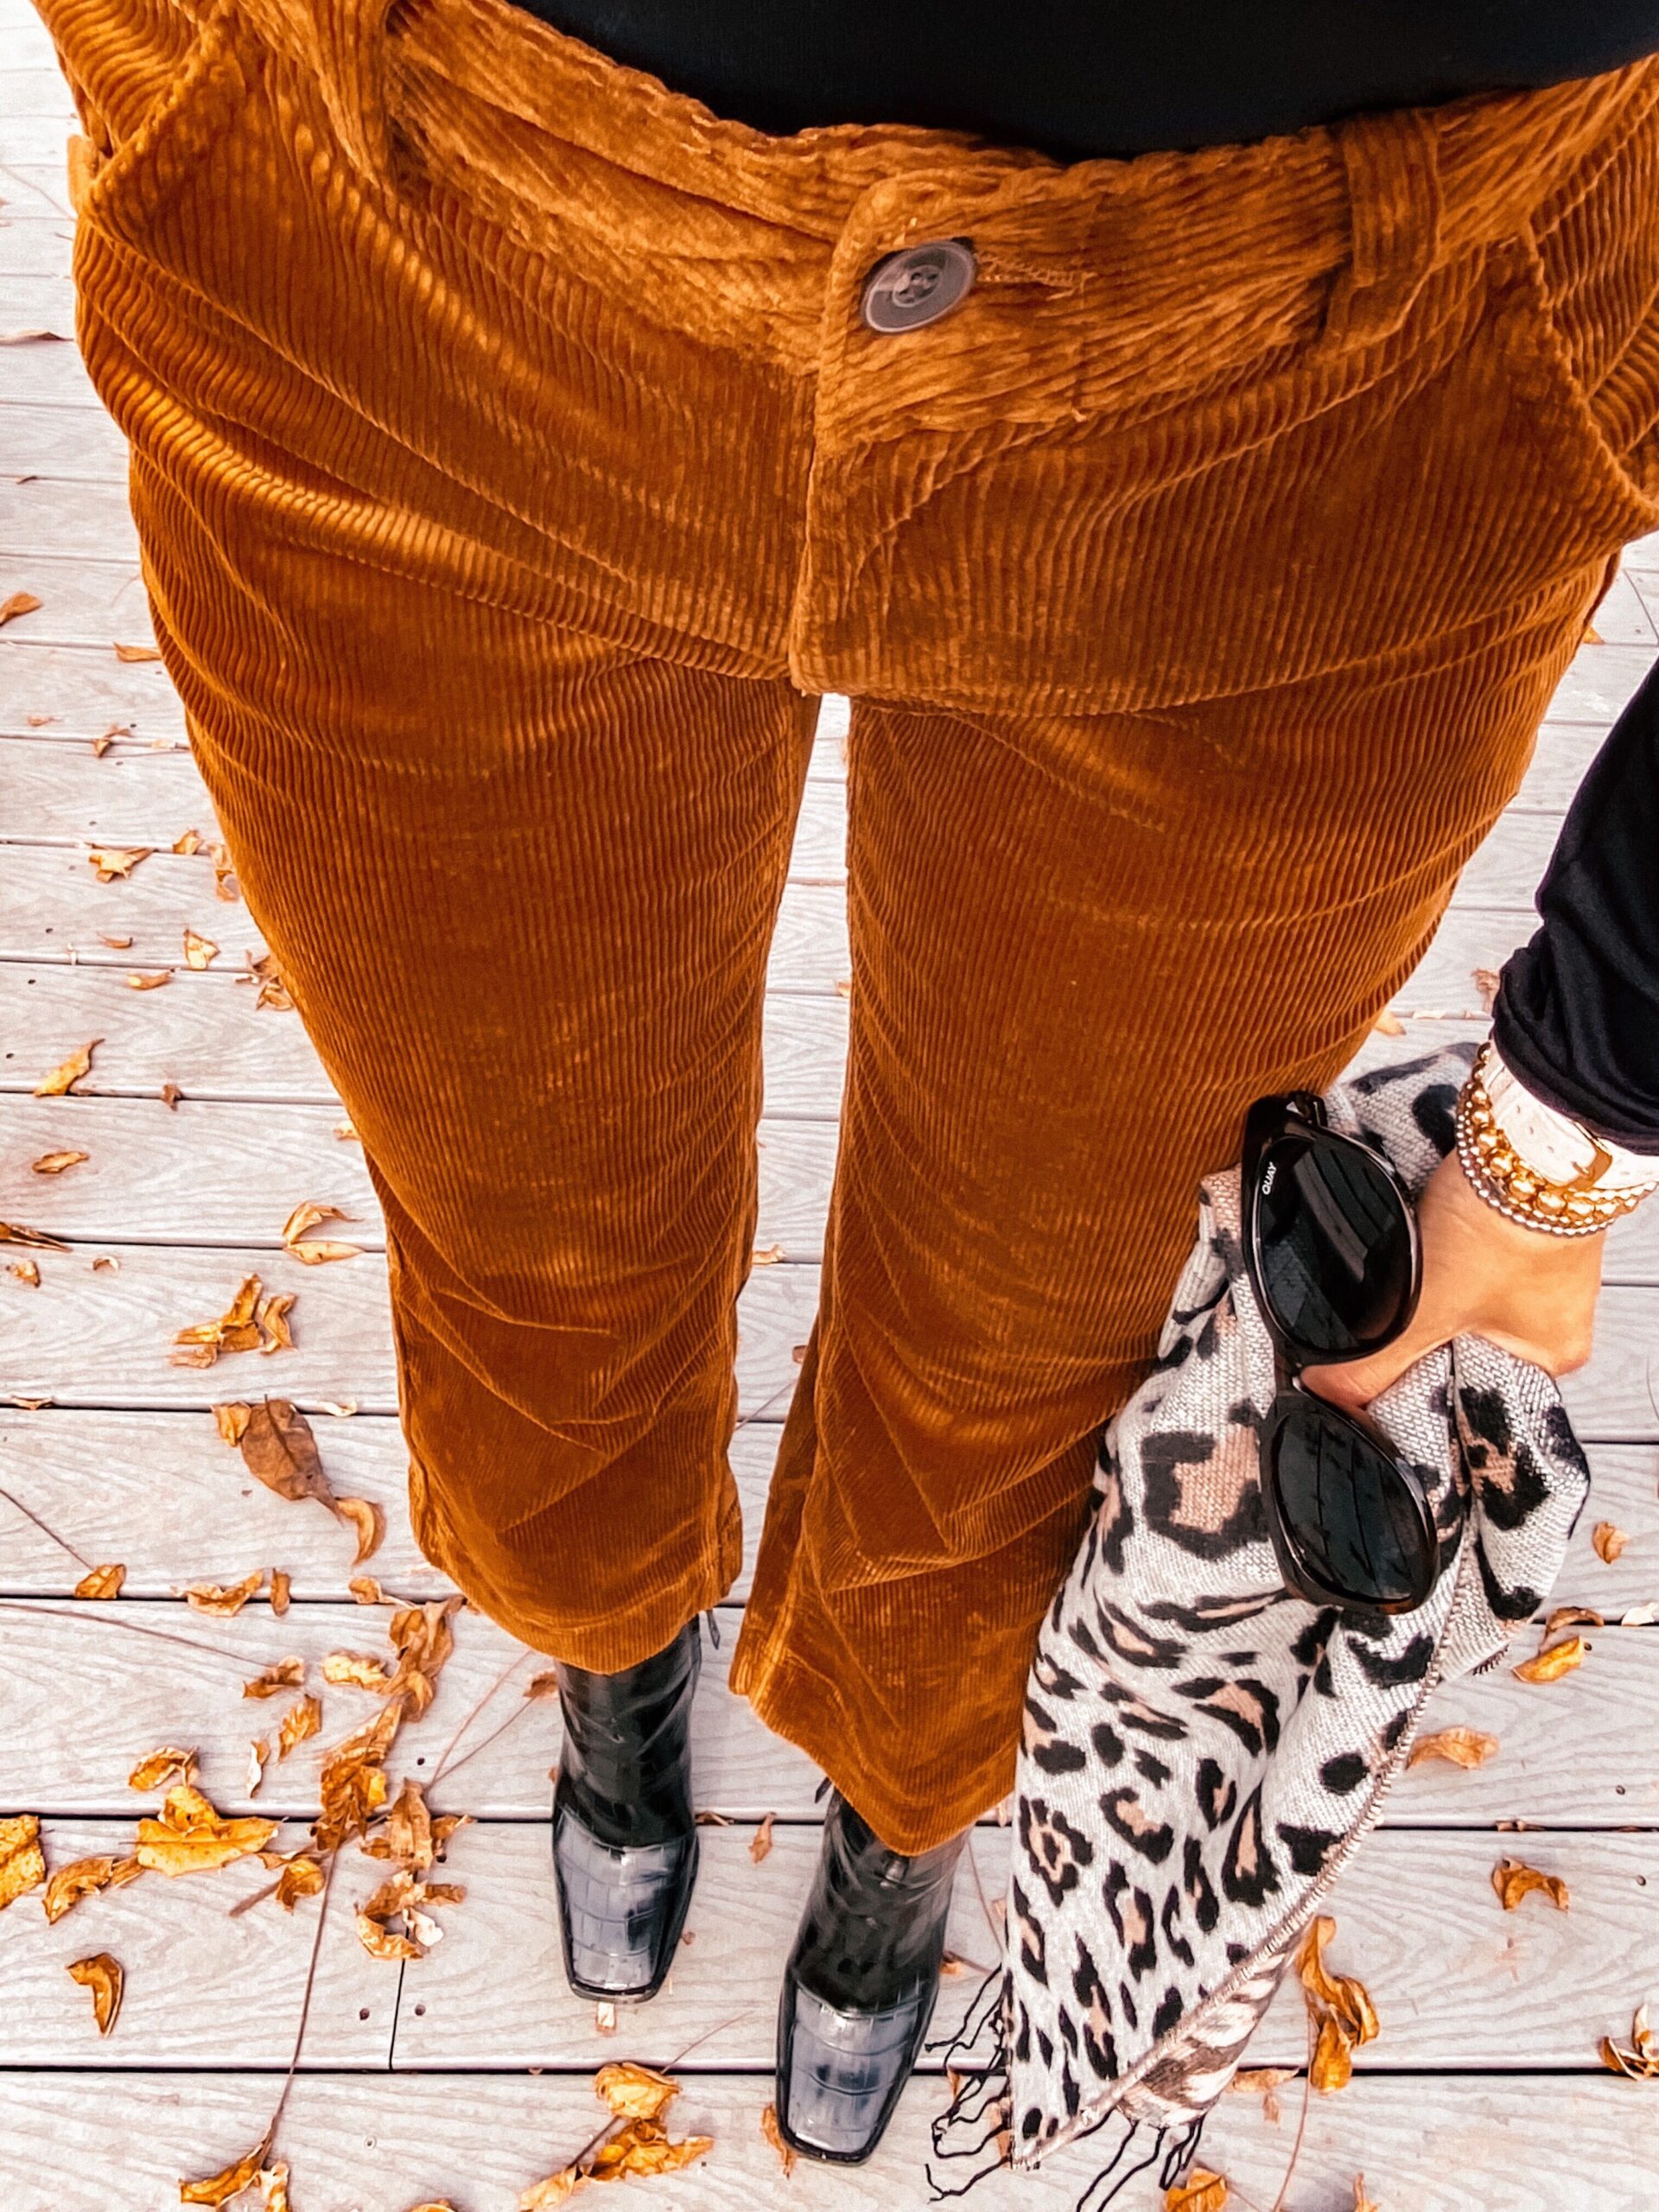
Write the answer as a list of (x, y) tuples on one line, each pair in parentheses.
[(1507, 1182)]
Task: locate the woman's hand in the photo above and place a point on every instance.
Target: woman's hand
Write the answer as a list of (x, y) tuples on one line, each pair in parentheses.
[(1483, 1275)]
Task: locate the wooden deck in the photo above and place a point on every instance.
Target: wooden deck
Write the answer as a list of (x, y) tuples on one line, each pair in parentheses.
[(466, 2074)]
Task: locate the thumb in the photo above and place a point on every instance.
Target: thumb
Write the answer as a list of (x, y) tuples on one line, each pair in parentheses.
[(1353, 1384)]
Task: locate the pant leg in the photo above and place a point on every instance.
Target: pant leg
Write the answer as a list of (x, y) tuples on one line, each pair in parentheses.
[(521, 885), (1081, 946)]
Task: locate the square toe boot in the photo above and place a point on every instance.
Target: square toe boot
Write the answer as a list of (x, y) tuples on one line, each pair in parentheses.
[(860, 1987), (625, 1838)]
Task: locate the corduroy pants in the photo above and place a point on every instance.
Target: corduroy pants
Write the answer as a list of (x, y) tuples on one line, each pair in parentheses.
[(514, 471)]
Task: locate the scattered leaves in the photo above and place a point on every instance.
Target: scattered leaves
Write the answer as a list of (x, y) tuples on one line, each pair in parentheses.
[(352, 1786), (101, 1974), (27, 1271), (220, 2188), (158, 1768), (152, 981), (85, 1877), (773, 2134), (193, 1837), (116, 944), (1609, 1541), (111, 861), (303, 1876), (23, 1862), (1388, 1024), (314, 1251), (1639, 2058), (1572, 1616), (282, 1584), (1338, 2004), (1264, 2082), (1486, 982), (67, 1073), (638, 2098), (423, 1640), (53, 1163), (101, 1582), (200, 951), (282, 1674), (13, 1232), (187, 842), (139, 652), (1463, 1747), (251, 1322), (302, 1721), (273, 992), (1513, 1880), (1202, 2191), (760, 1841), (356, 1670), (223, 1600), (19, 602), (1553, 1661), (365, 1590), (258, 1753)]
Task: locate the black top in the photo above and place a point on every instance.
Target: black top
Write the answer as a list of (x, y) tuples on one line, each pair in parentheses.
[(1578, 1013)]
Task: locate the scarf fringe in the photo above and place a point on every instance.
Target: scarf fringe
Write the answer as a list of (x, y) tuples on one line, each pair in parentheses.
[(979, 2112)]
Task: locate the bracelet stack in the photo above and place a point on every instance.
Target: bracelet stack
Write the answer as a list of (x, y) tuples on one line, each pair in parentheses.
[(1580, 1207)]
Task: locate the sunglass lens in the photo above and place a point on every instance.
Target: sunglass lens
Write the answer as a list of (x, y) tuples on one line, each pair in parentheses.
[(1346, 1509), (1333, 1246)]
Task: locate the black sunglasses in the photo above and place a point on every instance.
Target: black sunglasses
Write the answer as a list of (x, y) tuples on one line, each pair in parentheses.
[(1332, 1252)]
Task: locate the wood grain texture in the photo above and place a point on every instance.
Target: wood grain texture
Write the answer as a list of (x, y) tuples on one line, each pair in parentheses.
[(88, 1689), (380, 2142), (199, 1984), (1457, 1981), (85, 688), (214, 1043)]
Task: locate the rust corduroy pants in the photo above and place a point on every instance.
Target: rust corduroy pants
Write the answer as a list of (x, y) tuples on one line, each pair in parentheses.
[(514, 471)]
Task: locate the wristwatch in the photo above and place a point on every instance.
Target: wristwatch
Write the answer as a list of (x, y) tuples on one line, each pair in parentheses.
[(1539, 1167)]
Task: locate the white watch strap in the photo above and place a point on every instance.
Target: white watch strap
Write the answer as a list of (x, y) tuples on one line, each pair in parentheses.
[(1554, 1146)]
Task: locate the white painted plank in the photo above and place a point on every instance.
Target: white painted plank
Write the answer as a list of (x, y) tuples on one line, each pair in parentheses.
[(214, 1043), (51, 907), (60, 441), (42, 303), (89, 1337), (85, 689), (95, 1479), (132, 796), (93, 606), (1547, 2143), (231, 1175), (87, 1689), (1457, 1981), (1602, 679), (92, 1337), (199, 1984), (37, 91), (35, 244)]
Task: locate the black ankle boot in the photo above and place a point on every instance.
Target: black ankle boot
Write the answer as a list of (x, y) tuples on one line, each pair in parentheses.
[(625, 1839), (860, 1987)]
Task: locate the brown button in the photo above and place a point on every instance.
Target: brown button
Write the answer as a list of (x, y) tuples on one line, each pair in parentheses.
[(909, 290)]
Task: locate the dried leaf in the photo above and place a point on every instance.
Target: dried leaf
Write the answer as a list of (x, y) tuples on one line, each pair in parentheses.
[(1388, 1024), (158, 1768), (151, 981), (347, 1133), (1339, 2003), (53, 1163), (1572, 1616), (303, 1876), (1639, 1617), (635, 2092), (27, 1271), (111, 861), (223, 1600), (357, 1670), (774, 2135), (1463, 1747), (405, 1832), (193, 1837), (1362, 2201), (1609, 1541), (170, 1095), (200, 951), (1332, 2068), (23, 1862), (101, 1582), (220, 2188), (1486, 982), (67, 1073), (423, 1640), (273, 992), (236, 1330), (1592, 635), (1639, 2058), (101, 1974), (1202, 2191), (544, 1685), (302, 1721), (188, 842), (380, 1942), (767, 1256), (1513, 1880), (84, 1878), (281, 1586), (139, 652), (605, 2017), (13, 1232), (365, 1590), (116, 944), (353, 1785), (760, 1841), (272, 1320), (19, 602), (279, 1449), (1264, 2082), (282, 1674), (1554, 1661), (105, 1264), (366, 1519)]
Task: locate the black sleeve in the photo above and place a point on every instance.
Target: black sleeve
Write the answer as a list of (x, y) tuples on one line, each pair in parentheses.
[(1577, 1016)]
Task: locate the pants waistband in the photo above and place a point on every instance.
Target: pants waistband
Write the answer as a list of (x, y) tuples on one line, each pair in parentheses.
[(1377, 202)]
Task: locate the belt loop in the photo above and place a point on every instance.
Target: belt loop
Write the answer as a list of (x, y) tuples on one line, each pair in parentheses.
[(352, 36), (1393, 169)]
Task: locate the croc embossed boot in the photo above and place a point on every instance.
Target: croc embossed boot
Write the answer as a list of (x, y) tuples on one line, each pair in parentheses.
[(625, 1839), (860, 1987)]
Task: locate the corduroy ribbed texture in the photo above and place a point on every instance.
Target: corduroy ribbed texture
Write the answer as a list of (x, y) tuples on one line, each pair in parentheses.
[(513, 470)]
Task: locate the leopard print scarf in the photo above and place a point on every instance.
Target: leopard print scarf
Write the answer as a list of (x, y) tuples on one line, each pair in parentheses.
[(1203, 1751)]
